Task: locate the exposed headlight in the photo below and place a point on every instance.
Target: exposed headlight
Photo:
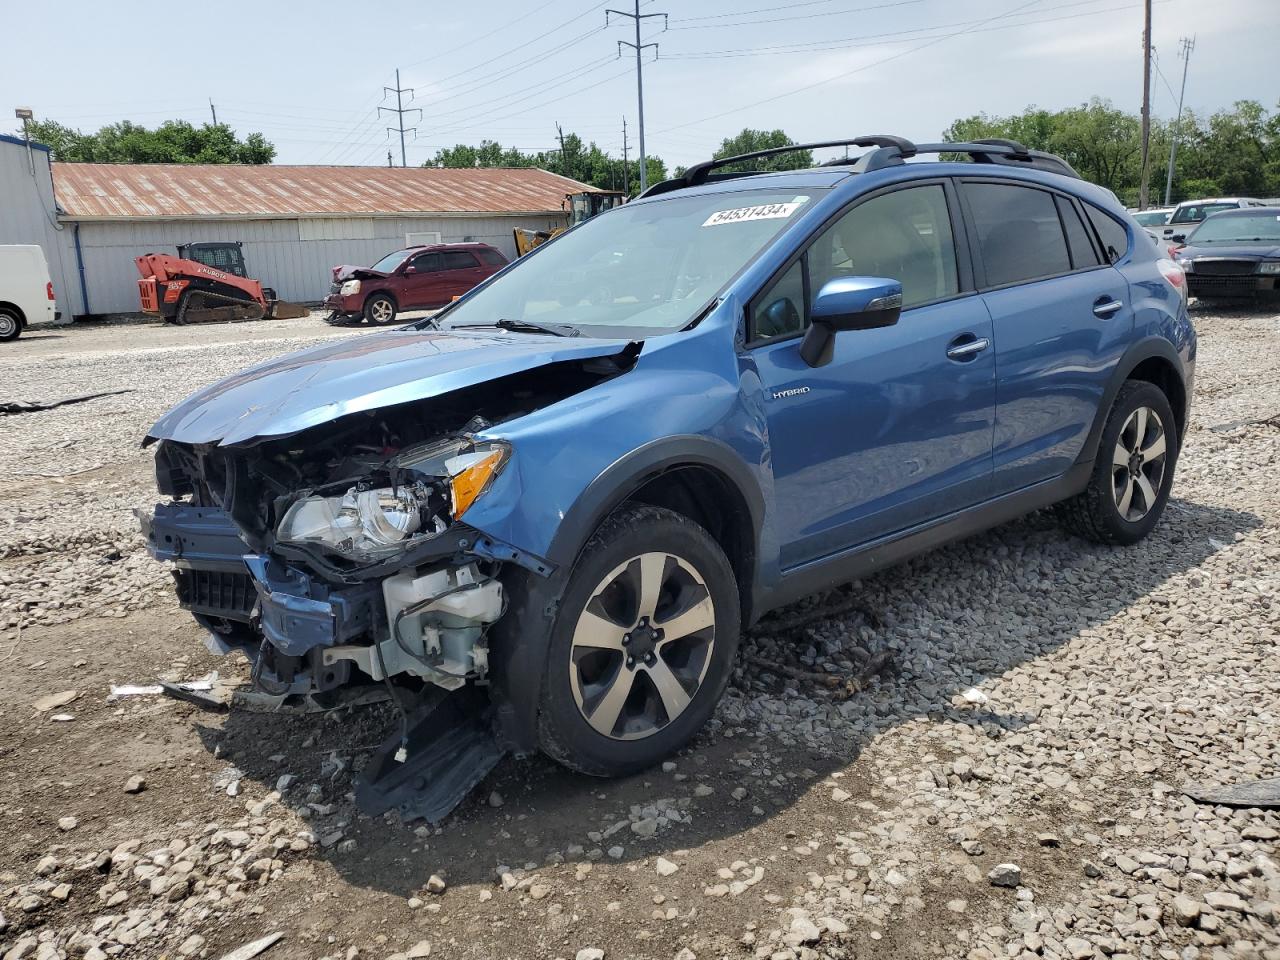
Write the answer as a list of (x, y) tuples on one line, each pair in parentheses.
[(1269, 266), (1185, 264), (433, 486), (349, 287)]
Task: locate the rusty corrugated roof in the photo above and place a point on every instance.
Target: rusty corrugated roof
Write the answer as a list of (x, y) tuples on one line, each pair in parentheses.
[(182, 190)]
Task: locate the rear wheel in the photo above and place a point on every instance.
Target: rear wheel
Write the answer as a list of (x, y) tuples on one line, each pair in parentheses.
[(642, 644), (10, 326), (1133, 472), (380, 309)]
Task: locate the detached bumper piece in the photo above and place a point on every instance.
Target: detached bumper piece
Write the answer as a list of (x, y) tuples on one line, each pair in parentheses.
[(448, 750)]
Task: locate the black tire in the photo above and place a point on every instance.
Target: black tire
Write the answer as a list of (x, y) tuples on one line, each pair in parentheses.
[(564, 732), (1095, 513), (10, 326), (374, 307)]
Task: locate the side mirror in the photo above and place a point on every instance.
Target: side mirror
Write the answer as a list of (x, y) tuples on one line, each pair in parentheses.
[(849, 303), (1178, 237), (410, 270)]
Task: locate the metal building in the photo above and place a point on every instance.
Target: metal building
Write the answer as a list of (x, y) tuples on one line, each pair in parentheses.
[(296, 223), (28, 215)]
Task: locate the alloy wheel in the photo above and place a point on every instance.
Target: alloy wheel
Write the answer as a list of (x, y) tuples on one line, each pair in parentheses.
[(381, 311), (1138, 464), (641, 646), (7, 325)]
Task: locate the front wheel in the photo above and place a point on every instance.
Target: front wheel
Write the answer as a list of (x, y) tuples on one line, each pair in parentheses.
[(10, 326), (1133, 472), (380, 309), (642, 644)]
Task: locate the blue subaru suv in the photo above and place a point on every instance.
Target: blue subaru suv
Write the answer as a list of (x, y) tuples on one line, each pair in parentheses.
[(543, 517)]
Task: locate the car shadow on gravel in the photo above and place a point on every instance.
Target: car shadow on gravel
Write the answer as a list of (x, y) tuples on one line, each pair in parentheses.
[(994, 588)]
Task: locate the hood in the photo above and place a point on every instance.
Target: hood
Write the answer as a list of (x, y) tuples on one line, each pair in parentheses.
[(1265, 250), (300, 390), (349, 271)]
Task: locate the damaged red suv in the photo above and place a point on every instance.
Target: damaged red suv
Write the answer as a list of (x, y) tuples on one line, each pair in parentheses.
[(415, 278)]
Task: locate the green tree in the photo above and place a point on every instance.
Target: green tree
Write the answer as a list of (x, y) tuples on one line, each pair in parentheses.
[(584, 162), (174, 141), (749, 141), (1234, 152)]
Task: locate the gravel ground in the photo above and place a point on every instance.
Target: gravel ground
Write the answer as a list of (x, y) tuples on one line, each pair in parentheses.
[(1009, 786)]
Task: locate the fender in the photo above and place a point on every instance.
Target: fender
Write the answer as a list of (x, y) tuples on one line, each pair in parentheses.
[(519, 641), (1144, 349)]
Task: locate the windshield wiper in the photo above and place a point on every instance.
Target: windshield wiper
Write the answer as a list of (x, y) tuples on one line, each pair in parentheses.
[(555, 329)]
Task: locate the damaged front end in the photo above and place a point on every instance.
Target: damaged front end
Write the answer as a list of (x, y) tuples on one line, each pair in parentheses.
[(340, 555)]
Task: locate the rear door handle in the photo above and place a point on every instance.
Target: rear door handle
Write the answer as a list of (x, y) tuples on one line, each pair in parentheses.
[(1106, 307), (967, 346)]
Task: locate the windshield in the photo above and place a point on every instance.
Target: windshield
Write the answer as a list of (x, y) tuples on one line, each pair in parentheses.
[(1242, 229), (642, 267), (1152, 218), (391, 261), (1195, 212)]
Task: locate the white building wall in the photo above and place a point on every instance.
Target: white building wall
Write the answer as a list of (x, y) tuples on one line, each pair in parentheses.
[(275, 251), (27, 216)]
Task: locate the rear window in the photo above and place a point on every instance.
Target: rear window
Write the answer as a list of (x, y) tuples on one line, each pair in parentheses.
[(1114, 237), (492, 258), (1083, 252), (1019, 234), (1195, 212), (458, 260)]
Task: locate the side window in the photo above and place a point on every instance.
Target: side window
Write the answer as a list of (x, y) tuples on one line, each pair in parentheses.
[(458, 260), (1115, 238), (1019, 233), (1083, 253), (905, 236), (492, 258), (426, 262), (781, 311)]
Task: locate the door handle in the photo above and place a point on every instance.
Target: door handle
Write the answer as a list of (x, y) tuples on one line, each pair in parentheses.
[(962, 349), (1107, 307)]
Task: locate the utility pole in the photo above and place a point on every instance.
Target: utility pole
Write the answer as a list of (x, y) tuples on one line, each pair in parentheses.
[(564, 161), (400, 110), (638, 47), (389, 163), (1146, 108), (214, 111), (1188, 44), (626, 171)]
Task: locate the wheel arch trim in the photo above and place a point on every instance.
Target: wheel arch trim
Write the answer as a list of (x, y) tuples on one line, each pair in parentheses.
[(1148, 348)]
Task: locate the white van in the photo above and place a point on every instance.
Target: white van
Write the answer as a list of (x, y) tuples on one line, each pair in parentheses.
[(26, 292)]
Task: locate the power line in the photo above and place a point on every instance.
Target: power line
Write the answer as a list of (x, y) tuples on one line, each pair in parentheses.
[(400, 110), (877, 39), (791, 6), (856, 70), (801, 16), (639, 47), (1187, 45)]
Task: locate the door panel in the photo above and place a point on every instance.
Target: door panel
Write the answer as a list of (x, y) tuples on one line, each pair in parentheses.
[(891, 433), (1062, 318), (1054, 358), (421, 286)]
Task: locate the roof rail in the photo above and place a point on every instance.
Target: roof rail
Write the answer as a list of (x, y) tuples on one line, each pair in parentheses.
[(889, 151), (701, 173)]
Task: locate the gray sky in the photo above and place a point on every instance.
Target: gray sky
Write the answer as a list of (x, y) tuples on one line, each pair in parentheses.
[(310, 76)]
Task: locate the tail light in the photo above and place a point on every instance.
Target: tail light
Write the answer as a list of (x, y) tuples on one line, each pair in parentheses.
[(1173, 273), (48, 289)]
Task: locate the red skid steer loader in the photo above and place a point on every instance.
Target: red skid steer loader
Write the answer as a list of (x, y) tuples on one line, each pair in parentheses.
[(206, 282)]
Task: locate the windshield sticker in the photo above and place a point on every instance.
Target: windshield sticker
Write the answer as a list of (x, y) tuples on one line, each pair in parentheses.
[(764, 211)]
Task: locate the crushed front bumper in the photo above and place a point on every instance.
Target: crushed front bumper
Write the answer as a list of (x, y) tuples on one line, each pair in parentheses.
[(244, 598)]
